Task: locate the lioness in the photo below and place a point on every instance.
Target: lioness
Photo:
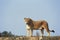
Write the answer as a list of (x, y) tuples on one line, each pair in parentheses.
[(37, 25)]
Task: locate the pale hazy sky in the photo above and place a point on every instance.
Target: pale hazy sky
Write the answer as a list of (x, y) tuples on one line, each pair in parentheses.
[(12, 13)]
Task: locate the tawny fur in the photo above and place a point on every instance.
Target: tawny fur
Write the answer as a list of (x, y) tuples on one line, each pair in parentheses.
[(37, 25)]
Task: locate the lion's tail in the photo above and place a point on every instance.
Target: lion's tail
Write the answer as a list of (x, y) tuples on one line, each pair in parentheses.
[(52, 31)]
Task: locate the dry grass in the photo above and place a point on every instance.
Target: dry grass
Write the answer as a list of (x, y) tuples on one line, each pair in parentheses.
[(31, 38)]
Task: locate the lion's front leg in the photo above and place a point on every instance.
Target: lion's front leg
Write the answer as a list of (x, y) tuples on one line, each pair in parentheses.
[(27, 32), (31, 32)]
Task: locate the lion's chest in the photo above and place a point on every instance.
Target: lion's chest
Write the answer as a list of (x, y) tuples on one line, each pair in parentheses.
[(27, 27)]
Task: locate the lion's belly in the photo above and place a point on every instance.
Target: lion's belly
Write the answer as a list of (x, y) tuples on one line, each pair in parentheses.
[(36, 27)]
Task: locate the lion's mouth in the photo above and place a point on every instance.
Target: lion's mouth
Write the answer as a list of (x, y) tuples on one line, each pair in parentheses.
[(27, 23)]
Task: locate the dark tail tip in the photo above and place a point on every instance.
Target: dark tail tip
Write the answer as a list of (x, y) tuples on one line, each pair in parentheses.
[(53, 31)]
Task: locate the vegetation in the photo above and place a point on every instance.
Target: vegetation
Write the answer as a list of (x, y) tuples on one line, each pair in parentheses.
[(9, 36), (30, 38), (6, 34)]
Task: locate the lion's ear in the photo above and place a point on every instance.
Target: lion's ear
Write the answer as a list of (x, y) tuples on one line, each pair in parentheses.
[(30, 20), (24, 18)]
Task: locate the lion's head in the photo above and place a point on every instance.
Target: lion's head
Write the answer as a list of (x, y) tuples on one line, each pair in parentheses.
[(27, 20)]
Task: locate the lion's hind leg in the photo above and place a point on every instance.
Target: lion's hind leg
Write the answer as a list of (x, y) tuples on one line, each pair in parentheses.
[(42, 33), (47, 29)]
